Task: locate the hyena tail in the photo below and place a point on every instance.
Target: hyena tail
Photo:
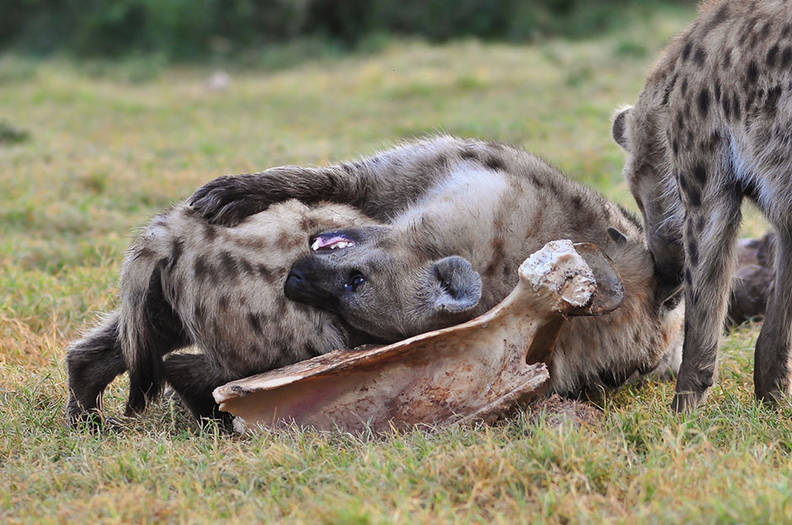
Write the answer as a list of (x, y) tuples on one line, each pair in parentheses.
[(149, 327), (92, 363)]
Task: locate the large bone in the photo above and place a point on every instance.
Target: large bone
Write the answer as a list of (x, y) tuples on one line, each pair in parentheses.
[(477, 370)]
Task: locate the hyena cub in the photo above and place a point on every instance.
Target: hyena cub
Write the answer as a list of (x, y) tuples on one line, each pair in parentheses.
[(187, 282), (714, 125), (484, 208)]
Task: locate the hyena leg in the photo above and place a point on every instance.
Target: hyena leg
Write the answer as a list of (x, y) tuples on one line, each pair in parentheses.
[(92, 363), (194, 378), (771, 359), (710, 236)]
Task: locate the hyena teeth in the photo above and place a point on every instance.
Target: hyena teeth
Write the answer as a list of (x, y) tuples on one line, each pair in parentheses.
[(315, 245)]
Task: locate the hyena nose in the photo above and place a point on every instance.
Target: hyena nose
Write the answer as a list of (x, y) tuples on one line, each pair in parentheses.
[(295, 278)]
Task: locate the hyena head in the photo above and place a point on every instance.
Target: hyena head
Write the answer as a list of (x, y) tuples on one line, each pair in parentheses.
[(380, 288), (648, 171)]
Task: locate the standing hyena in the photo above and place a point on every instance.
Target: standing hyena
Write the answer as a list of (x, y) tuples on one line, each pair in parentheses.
[(713, 125), (489, 204)]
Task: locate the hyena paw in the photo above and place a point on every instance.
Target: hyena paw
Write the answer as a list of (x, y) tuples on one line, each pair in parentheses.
[(685, 402), (228, 200)]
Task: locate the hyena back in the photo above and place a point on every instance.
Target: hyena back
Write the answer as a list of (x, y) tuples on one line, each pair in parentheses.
[(714, 125), (187, 282)]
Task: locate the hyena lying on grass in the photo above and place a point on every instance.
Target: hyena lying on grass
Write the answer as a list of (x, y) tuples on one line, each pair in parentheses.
[(450, 222), (714, 125)]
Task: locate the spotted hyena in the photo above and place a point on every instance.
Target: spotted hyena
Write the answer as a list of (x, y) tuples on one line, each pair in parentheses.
[(186, 282), (712, 126), (488, 203), (447, 222)]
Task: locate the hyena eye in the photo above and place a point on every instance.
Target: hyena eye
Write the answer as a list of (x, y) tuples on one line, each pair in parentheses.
[(355, 280)]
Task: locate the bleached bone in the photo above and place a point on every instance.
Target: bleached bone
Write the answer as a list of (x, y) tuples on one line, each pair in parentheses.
[(478, 370)]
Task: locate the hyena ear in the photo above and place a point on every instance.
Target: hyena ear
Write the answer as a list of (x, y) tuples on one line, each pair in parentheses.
[(619, 129), (459, 283), (617, 236)]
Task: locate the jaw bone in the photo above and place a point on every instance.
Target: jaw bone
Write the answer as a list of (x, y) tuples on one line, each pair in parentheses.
[(474, 371)]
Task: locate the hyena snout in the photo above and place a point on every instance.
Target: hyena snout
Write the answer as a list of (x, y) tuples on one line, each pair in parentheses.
[(303, 285)]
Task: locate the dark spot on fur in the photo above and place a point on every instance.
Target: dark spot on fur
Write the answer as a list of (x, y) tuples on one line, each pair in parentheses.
[(726, 104), (714, 141), (772, 56), (700, 223), (786, 30), (265, 273), (736, 107), (688, 277), (720, 16), (700, 57), (704, 102), (727, 59), (201, 268), (752, 72), (495, 163), (763, 32), (693, 254), (680, 119), (246, 266), (684, 86), (700, 173), (686, 51), (198, 312), (694, 196), (468, 153), (228, 265), (255, 323), (675, 146), (222, 303), (717, 91), (771, 105), (786, 56), (210, 232), (308, 224)]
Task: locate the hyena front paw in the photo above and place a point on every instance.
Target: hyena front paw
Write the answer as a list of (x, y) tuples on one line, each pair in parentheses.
[(228, 200), (686, 402)]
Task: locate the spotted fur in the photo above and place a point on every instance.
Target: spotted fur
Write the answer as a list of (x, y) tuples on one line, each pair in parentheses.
[(493, 205), (689, 169)]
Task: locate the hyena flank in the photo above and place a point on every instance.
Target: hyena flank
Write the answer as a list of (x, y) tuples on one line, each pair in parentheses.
[(447, 222), (489, 204), (713, 125)]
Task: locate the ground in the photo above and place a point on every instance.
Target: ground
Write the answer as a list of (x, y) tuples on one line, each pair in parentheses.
[(94, 149)]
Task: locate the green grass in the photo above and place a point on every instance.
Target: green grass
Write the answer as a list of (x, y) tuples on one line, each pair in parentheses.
[(108, 146)]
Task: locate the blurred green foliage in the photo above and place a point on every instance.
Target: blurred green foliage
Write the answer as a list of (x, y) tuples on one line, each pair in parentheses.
[(195, 29)]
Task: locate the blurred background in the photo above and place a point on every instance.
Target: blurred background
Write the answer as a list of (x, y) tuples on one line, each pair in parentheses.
[(212, 29)]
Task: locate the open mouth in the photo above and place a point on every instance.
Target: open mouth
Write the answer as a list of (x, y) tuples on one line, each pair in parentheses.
[(330, 241)]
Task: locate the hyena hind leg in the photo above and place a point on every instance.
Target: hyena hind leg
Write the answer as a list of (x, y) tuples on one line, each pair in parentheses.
[(92, 363), (709, 238), (194, 378), (771, 358)]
